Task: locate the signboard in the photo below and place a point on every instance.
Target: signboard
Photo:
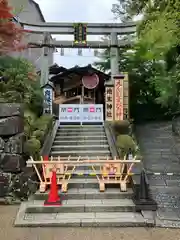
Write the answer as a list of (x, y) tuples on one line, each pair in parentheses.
[(91, 81), (92, 113), (118, 92), (69, 113), (109, 96), (81, 113), (80, 33), (48, 100)]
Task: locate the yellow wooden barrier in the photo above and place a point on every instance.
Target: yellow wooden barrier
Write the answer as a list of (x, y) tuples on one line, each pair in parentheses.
[(112, 171)]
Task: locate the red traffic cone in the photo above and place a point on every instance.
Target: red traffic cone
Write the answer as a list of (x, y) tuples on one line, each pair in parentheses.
[(53, 198)]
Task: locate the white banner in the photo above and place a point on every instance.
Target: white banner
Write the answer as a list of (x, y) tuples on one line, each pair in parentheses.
[(81, 113)]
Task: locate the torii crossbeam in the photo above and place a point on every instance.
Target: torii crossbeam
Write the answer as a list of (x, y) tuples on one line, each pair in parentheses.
[(112, 29)]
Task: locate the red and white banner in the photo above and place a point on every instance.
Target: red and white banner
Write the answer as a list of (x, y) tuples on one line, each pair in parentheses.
[(118, 92)]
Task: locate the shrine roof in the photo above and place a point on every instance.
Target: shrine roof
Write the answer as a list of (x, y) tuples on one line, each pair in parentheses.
[(79, 71), (56, 69)]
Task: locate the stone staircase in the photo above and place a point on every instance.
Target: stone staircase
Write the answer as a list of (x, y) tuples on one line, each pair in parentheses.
[(80, 141), (83, 205)]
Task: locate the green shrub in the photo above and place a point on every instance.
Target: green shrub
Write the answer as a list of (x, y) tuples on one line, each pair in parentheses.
[(124, 143), (39, 135), (121, 127), (27, 131), (44, 123), (32, 147), (29, 120), (29, 117)]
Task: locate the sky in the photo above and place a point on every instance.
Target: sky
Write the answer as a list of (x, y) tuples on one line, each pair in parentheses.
[(76, 11)]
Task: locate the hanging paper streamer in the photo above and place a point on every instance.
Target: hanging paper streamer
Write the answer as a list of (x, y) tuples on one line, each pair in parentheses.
[(62, 52), (79, 52)]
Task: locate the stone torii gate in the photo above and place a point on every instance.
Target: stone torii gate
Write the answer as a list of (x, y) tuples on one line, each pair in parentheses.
[(116, 101)]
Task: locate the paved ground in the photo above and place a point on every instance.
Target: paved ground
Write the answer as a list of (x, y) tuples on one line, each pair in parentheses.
[(161, 155), (8, 232)]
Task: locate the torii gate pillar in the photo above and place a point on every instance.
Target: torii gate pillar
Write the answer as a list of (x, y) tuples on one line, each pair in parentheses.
[(110, 93), (45, 61), (114, 56)]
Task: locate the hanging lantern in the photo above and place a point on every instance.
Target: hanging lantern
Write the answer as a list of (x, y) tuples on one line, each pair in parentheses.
[(79, 52), (96, 53), (62, 52)]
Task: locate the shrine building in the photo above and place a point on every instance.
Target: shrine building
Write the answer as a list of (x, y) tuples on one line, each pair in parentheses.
[(89, 86)]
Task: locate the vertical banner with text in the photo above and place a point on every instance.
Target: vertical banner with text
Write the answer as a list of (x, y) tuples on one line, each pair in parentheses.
[(126, 96), (48, 100), (118, 97), (109, 108)]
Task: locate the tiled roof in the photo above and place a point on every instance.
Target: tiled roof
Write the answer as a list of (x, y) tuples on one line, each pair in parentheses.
[(39, 10)]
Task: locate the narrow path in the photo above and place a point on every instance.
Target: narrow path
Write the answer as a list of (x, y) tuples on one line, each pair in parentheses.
[(161, 156)]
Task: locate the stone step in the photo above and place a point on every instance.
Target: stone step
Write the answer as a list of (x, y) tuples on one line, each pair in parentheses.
[(75, 158), (88, 183), (80, 126), (81, 153), (88, 193), (78, 142), (77, 137), (84, 219), (83, 205), (87, 167), (80, 148), (83, 183), (89, 133), (82, 130)]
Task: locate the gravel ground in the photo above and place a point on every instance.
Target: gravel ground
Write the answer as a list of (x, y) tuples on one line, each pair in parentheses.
[(8, 232)]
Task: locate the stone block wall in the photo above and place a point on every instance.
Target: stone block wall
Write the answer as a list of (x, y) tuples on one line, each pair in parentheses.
[(16, 181)]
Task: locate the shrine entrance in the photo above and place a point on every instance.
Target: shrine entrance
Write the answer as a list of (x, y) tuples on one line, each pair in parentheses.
[(116, 88), (80, 86)]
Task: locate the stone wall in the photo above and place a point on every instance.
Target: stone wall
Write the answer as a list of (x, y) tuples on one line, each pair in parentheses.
[(16, 181)]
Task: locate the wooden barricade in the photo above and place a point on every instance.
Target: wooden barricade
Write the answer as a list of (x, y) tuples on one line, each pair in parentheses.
[(115, 173), (112, 171)]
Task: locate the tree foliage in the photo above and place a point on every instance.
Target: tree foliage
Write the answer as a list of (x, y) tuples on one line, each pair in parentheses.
[(20, 83), (11, 34), (153, 61)]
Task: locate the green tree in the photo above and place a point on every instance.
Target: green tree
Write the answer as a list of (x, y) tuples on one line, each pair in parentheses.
[(153, 61), (19, 83)]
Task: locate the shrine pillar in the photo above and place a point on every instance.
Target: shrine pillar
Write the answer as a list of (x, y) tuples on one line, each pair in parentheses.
[(114, 56), (45, 61)]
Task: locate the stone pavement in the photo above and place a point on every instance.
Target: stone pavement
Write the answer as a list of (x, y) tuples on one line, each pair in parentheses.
[(161, 156), (7, 231), (81, 213)]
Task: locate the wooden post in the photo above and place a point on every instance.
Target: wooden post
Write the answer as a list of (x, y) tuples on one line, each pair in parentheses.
[(82, 94)]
